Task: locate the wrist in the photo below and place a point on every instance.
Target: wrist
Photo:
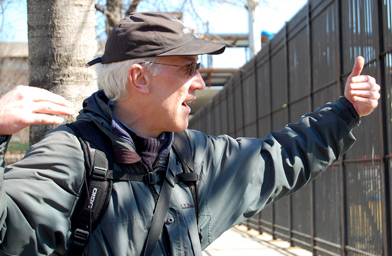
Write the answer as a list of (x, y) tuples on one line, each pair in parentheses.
[(348, 112)]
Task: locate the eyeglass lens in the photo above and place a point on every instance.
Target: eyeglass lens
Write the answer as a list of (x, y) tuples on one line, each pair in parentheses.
[(193, 67)]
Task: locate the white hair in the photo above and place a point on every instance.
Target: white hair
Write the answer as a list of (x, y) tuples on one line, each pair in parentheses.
[(113, 77)]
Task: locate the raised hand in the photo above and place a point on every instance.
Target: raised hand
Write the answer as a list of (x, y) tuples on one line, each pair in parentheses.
[(25, 105), (362, 90)]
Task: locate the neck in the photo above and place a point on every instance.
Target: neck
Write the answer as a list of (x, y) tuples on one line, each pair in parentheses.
[(134, 119)]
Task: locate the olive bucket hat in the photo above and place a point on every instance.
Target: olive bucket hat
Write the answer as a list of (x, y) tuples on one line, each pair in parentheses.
[(153, 35)]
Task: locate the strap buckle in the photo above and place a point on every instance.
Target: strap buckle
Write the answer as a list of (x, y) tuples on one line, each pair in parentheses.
[(152, 178), (99, 173), (80, 237)]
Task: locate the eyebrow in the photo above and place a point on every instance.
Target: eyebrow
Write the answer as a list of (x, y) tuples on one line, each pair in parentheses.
[(192, 58)]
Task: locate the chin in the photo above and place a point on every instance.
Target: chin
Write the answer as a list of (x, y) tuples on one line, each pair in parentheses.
[(181, 127)]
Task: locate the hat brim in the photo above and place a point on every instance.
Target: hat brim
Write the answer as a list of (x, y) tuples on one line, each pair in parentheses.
[(196, 47)]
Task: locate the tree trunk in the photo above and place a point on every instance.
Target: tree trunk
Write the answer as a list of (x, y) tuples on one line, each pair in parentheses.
[(62, 39)]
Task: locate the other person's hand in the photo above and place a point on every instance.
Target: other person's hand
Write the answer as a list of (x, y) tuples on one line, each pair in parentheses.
[(25, 105)]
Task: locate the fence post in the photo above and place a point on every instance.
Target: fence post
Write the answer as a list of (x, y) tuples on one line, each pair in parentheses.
[(385, 198), (242, 103), (290, 199), (310, 63), (342, 176), (271, 122), (256, 81)]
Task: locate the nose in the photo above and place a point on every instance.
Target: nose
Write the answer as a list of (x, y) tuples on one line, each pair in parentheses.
[(198, 82)]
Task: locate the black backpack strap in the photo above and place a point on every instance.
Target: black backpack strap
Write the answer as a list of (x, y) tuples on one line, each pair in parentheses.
[(96, 190), (158, 218), (161, 208), (181, 144), (151, 178), (183, 150)]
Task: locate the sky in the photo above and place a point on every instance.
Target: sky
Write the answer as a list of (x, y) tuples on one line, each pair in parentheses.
[(222, 19)]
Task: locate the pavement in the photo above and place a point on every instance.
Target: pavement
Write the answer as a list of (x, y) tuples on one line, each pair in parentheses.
[(241, 241)]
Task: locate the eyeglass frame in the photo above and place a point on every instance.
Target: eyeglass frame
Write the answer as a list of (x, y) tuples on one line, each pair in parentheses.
[(191, 68)]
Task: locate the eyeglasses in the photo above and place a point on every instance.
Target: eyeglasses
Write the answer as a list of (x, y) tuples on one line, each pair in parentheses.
[(191, 68)]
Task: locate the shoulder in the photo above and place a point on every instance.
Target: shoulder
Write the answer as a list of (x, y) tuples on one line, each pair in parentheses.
[(57, 156), (59, 147), (60, 138)]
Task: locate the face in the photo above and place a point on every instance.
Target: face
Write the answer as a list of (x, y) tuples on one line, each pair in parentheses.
[(170, 91)]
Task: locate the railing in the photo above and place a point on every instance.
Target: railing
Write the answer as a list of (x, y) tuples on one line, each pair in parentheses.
[(346, 211)]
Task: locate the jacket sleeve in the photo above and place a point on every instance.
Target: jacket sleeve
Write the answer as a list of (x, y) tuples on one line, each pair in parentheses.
[(38, 195), (239, 177)]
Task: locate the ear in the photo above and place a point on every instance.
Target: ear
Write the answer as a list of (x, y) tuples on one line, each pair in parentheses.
[(138, 78)]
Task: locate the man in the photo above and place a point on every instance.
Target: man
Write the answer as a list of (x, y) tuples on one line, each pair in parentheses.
[(149, 73)]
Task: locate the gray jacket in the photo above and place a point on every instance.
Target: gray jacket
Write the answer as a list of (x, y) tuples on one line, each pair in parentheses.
[(238, 178)]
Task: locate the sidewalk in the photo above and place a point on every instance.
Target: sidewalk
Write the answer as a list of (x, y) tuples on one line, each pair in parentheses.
[(240, 241)]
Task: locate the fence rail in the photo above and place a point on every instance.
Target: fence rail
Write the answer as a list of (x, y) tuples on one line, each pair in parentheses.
[(346, 211)]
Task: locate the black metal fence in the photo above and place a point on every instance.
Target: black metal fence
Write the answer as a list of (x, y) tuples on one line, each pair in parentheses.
[(346, 211)]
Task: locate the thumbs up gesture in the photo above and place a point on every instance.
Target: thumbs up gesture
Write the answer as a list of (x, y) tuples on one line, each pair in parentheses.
[(362, 90)]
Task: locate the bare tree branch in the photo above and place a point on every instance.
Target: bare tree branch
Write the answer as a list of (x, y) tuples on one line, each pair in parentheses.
[(3, 6), (183, 6), (232, 2), (114, 14), (195, 13), (132, 7), (100, 9)]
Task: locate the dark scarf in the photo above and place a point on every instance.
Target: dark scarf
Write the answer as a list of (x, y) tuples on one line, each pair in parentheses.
[(151, 150)]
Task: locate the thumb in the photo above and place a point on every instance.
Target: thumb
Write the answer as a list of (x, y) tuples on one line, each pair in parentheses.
[(358, 66)]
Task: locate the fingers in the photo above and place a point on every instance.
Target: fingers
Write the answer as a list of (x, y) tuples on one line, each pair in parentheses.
[(366, 103), (53, 108), (44, 119), (363, 88), (363, 79), (363, 83), (42, 95), (373, 95), (45, 105), (38, 100), (358, 67)]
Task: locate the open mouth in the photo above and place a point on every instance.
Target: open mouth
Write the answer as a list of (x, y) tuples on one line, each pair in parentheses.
[(186, 106)]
